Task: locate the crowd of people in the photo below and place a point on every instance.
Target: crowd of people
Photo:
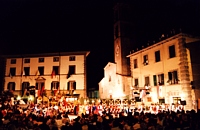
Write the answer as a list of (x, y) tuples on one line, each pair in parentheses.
[(93, 117)]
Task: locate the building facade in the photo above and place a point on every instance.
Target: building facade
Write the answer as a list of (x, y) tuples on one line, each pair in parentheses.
[(167, 71), (117, 77), (63, 72)]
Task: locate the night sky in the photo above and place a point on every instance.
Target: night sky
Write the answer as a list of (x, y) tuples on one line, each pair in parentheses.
[(37, 26)]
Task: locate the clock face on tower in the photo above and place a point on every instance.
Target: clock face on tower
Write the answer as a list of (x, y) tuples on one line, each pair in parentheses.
[(117, 50)]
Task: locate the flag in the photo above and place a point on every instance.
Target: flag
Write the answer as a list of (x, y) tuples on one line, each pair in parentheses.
[(42, 90), (37, 73), (25, 90), (53, 73), (142, 93), (38, 93), (56, 91), (70, 72), (159, 91), (10, 75), (23, 73)]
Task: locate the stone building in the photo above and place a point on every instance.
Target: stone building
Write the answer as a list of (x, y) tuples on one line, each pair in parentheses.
[(62, 72), (117, 77), (168, 71)]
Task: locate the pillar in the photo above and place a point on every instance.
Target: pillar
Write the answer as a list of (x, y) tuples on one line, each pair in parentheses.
[(184, 73)]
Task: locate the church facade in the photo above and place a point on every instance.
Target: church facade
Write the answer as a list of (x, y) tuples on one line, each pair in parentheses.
[(116, 82)]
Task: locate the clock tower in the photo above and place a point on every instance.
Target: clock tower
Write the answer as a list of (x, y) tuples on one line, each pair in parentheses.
[(123, 37)]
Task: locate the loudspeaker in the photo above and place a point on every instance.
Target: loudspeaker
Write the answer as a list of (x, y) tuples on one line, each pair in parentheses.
[(137, 99), (183, 102)]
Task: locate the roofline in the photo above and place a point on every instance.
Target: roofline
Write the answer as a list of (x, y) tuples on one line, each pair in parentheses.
[(163, 41), (86, 53)]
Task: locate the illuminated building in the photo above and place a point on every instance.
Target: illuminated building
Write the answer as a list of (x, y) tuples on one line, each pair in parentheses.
[(63, 72), (116, 82), (166, 72), (170, 69)]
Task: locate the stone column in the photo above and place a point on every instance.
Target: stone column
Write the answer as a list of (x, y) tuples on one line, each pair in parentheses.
[(184, 74)]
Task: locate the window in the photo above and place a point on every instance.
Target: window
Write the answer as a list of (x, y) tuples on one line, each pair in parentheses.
[(26, 60), (135, 63), (25, 86), (138, 99), (41, 70), (136, 82), (26, 71), (72, 58), (72, 69), (158, 79), (55, 85), (40, 60), (56, 70), (176, 100), (109, 78), (155, 80), (11, 86), (71, 86), (172, 52), (157, 56), (55, 59), (173, 77), (161, 79), (149, 99), (145, 60), (124, 88), (12, 71), (146, 81), (13, 61), (39, 85)]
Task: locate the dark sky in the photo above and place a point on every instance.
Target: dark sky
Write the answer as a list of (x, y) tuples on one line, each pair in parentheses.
[(32, 26)]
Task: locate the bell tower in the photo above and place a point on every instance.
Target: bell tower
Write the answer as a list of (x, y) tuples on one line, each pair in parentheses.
[(123, 36)]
